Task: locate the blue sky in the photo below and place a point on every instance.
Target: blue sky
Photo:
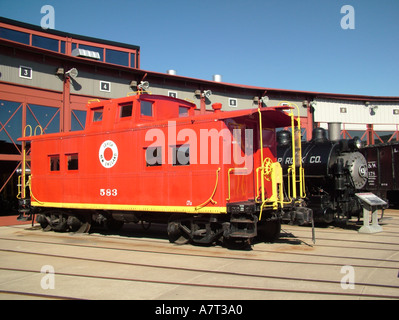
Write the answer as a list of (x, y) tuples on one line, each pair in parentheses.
[(286, 44)]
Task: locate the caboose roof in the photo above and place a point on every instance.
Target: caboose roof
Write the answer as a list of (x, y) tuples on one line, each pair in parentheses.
[(272, 117)]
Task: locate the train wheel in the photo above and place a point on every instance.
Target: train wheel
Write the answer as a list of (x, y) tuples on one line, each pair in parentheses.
[(179, 229), (58, 221), (146, 225), (79, 223), (269, 231), (44, 222)]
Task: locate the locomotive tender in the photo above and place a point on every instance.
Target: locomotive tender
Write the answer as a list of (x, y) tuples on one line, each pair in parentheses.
[(334, 172), (152, 158)]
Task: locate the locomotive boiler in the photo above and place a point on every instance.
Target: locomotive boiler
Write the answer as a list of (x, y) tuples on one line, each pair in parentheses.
[(334, 171)]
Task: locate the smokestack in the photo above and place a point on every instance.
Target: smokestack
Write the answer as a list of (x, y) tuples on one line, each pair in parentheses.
[(334, 131)]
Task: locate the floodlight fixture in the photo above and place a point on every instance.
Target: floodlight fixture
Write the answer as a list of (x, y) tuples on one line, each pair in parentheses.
[(72, 73)]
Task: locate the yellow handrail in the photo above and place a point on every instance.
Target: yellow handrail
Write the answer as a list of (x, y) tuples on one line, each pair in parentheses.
[(213, 193), (24, 133), (137, 92), (93, 100), (296, 147), (261, 151), (276, 176), (22, 183), (31, 192), (19, 185), (38, 127)]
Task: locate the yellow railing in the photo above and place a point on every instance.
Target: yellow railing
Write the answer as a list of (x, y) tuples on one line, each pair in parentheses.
[(210, 199), (93, 100), (22, 183), (138, 92), (296, 165), (269, 171), (272, 171)]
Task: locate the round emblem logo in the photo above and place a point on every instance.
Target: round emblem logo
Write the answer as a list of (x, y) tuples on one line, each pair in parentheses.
[(108, 158)]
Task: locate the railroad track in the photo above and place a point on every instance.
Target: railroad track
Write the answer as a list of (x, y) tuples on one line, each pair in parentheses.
[(98, 266)]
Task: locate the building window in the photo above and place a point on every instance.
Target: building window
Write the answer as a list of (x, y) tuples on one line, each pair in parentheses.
[(14, 35), (73, 162), (10, 125), (78, 120), (45, 43), (181, 155), (153, 156), (117, 57), (63, 47), (46, 117), (396, 111), (126, 111), (146, 108), (54, 163), (98, 114), (133, 60)]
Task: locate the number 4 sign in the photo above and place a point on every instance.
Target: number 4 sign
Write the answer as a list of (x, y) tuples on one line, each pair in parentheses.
[(25, 72), (105, 86)]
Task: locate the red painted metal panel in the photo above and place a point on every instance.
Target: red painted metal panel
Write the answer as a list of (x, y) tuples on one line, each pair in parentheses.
[(111, 163)]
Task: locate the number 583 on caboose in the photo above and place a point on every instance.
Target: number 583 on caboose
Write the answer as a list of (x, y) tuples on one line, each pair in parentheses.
[(152, 158)]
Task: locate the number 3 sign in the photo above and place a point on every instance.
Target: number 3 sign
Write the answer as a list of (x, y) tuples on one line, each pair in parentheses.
[(25, 72)]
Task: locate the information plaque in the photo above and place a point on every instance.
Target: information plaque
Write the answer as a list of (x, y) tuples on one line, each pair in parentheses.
[(371, 199), (371, 203)]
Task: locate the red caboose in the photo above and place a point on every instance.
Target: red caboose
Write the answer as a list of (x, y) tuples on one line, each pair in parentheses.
[(151, 158)]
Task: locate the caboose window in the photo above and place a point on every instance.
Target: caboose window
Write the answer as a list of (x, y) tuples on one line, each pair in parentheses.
[(54, 163), (126, 111), (73, 161), (146, 108), (183, 112), (153, 156), (98, 114), (181, 155)]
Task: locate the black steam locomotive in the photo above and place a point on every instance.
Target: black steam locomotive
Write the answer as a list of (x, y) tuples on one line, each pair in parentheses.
[(334, 172)]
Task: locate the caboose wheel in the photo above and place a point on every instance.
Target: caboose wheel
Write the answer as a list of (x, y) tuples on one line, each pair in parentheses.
[(179, 229), (79, 223), (146, 225), (42, 219), (58, 221)]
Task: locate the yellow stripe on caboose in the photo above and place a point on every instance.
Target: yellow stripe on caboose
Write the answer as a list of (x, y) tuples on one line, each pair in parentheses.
[(130, 207)]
